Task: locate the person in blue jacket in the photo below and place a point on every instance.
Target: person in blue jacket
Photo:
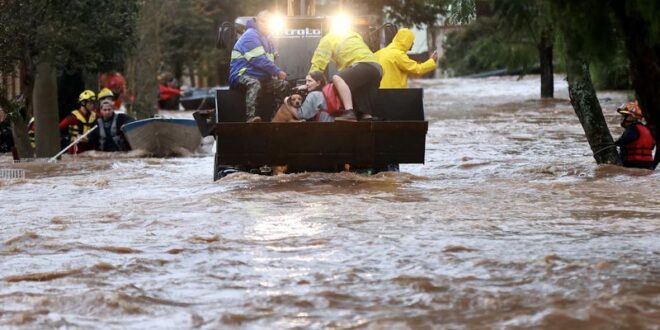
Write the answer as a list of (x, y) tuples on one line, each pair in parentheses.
[(252, 67)]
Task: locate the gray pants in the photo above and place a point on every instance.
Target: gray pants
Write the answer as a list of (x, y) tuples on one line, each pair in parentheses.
[(254, 88)]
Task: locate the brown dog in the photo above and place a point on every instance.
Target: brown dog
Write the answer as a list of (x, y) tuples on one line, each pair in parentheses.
[(286, 112)]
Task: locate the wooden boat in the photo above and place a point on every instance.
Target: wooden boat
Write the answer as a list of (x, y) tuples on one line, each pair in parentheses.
[(163, 137)]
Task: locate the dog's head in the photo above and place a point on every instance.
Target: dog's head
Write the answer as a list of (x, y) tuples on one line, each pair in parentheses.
[(295, 100)]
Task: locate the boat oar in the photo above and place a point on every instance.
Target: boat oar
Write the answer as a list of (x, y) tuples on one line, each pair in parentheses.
[(54, 158)]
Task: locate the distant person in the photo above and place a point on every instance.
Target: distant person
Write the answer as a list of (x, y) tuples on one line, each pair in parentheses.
[(396, 63), (169, 92), (253, 69), (108, 136), (359, 71), (117, 84), (636, 143), (80, 121)]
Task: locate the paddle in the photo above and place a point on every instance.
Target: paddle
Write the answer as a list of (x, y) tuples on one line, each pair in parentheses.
[(54, 158)]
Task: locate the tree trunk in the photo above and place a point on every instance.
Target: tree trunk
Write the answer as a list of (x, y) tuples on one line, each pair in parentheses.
[(587, 108), (644, 55), (19, 129), (547, 69), (46, 115), (19, 132), (143, 65)]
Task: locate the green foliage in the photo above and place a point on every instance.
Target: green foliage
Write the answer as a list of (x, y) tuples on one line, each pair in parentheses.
[(594, 33), (508, 38), (76, 34), (482, 46), (189, 33), (461, 11), (416, 12), (613, 71)]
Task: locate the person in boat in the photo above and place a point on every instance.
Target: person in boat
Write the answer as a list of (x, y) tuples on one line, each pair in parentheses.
[(252, 67), (315, 107), (80, 121), (108, 136), (105, 94), (636, 144), (396, 63), (359, 71), (169, 92)]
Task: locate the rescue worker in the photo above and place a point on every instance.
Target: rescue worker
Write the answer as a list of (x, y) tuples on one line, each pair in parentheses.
[(636, 143), (252, 67), (109, 137), (80, 121), (359, 71), (396, 63)]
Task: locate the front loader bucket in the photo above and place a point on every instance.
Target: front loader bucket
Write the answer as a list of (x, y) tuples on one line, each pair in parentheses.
[(310, 146)]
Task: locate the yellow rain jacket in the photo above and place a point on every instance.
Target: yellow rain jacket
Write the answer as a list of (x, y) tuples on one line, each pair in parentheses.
[(345, 49), (396, 63)]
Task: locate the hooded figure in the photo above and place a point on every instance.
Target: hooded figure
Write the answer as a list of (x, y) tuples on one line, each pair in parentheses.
[(396, 63)]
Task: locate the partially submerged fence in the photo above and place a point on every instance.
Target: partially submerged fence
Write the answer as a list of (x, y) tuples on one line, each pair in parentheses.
[(12, 173)]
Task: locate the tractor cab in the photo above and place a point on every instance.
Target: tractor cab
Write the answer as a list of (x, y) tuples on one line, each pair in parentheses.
[(313, 146)]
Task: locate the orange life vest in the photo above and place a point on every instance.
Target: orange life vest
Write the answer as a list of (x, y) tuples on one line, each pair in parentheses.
[(640, 150)]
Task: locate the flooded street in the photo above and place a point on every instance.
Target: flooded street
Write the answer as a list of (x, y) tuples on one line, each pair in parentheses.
[(509, 224)]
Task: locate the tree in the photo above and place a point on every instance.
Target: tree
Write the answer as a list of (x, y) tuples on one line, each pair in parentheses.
[(484, 46), (533, 18), (589, 30), (46, 37), (641, 28), (590, 34), (144, 60), (413, 13), (515, 34)]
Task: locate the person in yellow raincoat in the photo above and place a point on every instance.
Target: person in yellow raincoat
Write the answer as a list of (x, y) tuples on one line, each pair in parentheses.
[(359, 71), (396, 63)]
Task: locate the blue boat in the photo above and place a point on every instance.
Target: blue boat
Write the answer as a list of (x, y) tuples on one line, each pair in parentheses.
[(163, 137)]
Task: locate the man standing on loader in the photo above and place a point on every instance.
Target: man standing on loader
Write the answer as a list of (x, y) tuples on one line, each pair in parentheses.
[(252, 67)]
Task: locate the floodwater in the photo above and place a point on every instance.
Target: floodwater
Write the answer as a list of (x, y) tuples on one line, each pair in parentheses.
[(508, 225)]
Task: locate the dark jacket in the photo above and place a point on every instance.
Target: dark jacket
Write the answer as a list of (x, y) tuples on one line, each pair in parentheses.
[(109, 137)]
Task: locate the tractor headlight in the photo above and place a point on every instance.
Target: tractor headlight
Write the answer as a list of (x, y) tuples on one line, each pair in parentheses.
[(276, 24), (341, 23)]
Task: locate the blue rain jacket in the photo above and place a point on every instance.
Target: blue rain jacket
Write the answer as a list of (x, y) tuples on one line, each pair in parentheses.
[(254, 55)]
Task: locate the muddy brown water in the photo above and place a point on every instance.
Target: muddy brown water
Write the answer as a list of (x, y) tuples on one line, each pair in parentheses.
[(508, 225)]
